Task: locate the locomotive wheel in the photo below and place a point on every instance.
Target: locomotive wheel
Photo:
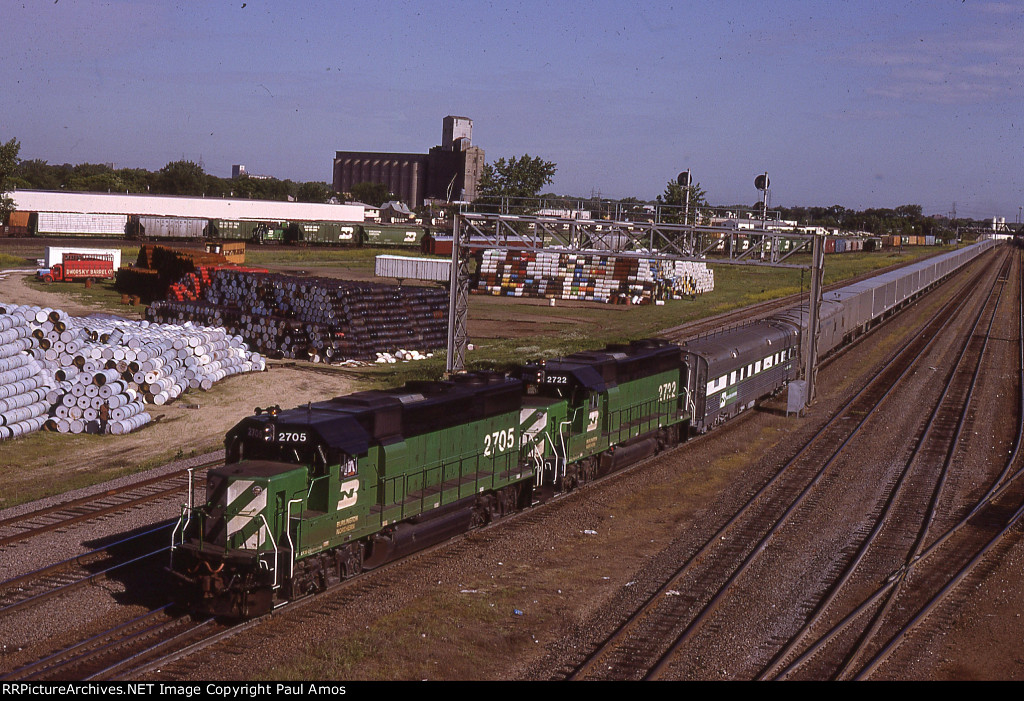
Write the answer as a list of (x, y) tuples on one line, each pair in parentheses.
[(588, 470), (507, 500), (482, 511), (350, 560)]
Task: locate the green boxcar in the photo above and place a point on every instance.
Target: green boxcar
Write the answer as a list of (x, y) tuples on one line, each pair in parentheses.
[(323, 233), (392, 235), (245, 230)]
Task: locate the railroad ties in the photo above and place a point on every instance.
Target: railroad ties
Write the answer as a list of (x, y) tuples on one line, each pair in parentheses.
[(318, 319)]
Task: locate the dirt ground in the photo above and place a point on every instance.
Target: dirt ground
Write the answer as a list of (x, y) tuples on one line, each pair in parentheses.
[(14, 290), (193, 424)]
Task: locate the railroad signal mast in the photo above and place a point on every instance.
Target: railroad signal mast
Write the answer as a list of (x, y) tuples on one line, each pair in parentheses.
[(685, 181)]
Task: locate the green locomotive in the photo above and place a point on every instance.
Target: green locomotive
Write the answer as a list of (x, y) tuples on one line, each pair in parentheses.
[(319, 493), (602, 410)]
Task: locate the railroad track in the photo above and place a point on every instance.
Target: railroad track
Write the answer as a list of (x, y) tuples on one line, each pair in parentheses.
[(23, 527), (32, 588), (162, 644), (326, 604), (932, 571), (105, 654), (647, 642)]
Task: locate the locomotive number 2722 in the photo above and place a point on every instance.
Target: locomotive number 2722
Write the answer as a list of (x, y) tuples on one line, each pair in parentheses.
[(499, 442)]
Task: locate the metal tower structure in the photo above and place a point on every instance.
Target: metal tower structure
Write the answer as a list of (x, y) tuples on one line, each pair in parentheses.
[(648, 240)]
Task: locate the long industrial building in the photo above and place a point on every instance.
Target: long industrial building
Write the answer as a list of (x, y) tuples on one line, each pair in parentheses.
[(448, 173), (172, 206)]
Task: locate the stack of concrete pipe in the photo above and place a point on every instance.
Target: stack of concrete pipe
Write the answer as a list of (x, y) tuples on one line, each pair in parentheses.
[(98, 374)]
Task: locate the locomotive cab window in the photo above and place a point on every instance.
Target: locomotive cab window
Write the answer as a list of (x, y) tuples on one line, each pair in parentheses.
[(349, 467), (319, 464), (233, 451)]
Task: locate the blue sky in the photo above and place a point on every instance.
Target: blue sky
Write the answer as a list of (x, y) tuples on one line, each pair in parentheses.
[(860, 103)]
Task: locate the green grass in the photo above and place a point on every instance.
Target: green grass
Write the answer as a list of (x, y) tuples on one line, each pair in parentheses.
[(54, 470), (9, 261), (100, 296), (353, 258), (736, 286)]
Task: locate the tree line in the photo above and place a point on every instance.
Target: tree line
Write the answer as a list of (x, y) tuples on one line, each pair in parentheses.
[(502, 181), (176, 178)]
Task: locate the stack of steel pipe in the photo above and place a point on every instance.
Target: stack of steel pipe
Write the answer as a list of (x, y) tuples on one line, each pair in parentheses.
[(99, 373), (79, 404), (24, 381), (322, 319)]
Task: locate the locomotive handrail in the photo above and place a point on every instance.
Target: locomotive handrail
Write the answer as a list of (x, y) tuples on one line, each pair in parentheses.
[(288, 532), (174, 531), (565, 448), (648, 412), (189, 506), (469, 463), (273, 542)]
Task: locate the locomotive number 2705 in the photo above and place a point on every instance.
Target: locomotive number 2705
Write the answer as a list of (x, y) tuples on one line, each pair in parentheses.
[(499, 442)]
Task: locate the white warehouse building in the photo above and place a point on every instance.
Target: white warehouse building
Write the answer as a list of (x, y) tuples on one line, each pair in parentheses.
[(172, 206)]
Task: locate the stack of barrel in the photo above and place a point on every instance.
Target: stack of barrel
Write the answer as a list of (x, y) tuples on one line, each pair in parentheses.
[(96, 375), (589, 276), (320, 319)]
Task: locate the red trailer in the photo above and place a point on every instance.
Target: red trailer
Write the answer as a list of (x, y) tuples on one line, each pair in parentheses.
[(78, 266)]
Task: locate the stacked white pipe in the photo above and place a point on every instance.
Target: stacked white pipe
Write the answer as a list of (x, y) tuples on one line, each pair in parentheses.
[(24, 381), (402, 355), (687, 278), (92, 363)]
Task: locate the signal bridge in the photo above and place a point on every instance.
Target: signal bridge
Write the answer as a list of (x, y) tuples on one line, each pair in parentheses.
[(651, 240)]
